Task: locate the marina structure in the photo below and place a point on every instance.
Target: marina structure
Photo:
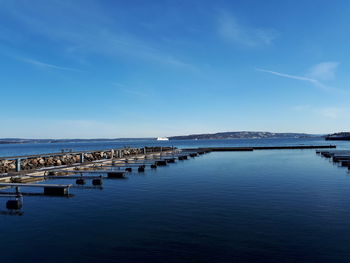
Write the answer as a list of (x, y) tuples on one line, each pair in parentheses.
[(31, 171), (339, 157)]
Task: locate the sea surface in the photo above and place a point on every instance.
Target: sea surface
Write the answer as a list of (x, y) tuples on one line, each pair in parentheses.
[(40, 148), (260, 206)]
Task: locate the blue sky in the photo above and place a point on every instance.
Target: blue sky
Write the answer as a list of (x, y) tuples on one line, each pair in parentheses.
[(87, 69)]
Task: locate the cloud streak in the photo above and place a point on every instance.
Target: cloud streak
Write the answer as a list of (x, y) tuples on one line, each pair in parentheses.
[(46, 65), (313, 81)]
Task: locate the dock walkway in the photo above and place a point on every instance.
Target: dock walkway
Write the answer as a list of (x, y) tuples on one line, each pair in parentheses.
[(234, 149), (340, 157)]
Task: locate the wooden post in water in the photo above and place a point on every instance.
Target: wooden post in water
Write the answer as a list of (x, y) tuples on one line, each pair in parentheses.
[(18, 165), (82, 157), (56, 191)]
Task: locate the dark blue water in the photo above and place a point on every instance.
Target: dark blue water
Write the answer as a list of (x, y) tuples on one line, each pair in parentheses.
[(261, 206)]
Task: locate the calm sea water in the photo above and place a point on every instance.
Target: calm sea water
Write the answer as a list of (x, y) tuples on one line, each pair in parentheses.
[(39, 148), (261, 206)]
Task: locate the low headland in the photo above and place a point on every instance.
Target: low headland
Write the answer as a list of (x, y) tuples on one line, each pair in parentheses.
[(242, 135)]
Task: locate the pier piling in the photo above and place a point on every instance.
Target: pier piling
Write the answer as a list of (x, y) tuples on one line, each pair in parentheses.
[(80, 181), (97, 181), (115, 175), (58, 191), (161, 163), (15, 204)]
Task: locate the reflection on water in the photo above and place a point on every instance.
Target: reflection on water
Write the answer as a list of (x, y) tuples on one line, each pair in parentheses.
[(11, 213)]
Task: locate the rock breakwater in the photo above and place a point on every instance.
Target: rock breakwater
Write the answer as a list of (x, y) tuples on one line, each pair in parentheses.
[(41, 161)]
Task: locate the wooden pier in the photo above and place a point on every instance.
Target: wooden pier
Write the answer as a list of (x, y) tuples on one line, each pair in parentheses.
[(340, 157), (49, 189), (244, 149)]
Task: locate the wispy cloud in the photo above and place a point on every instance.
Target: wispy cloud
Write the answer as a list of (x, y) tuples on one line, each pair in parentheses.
[(231, 30), (41, 64), (90, 31), (315, 82), (316, 75), (131, 91), (324, 70)]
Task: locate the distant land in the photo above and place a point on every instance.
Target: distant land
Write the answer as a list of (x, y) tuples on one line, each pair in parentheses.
[(205, 136), (339, 136), (242, 135)]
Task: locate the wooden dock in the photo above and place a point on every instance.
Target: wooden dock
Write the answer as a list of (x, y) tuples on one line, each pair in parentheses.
[(340, 157), (49, 189), (35, 185), (243, 149), (95, 170)]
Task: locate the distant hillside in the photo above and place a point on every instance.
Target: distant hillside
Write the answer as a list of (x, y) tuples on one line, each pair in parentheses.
[(341, 136), (240, 135)]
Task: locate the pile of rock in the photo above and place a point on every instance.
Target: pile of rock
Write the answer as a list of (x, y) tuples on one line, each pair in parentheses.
[(131, 151), (7, 166), (57, 160), (93, 156), (71, 158)]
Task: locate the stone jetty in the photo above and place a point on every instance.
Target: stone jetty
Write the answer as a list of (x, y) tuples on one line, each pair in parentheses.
[(33, 162)]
